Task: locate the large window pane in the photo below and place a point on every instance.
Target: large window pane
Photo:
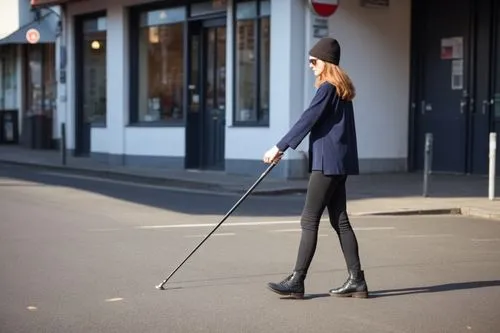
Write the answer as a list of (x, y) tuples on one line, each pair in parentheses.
[(252, 43), (8, 77), (41, 82), (265, 55), (161, 72), (245, 71), (34, 91), (94, 71), (49, 79)]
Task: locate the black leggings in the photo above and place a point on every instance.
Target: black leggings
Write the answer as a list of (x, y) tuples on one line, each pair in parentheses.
[(326, 191)]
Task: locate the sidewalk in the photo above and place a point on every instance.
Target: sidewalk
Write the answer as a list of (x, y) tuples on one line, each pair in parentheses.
[(368, 194)]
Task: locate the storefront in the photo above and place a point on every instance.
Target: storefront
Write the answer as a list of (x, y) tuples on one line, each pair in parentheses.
[(158, 89), (214, 84), (28, 86)]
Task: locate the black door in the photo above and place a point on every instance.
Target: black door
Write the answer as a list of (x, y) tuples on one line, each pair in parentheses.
[(441, 103), (82, 121), (206, 119), (479, 117)]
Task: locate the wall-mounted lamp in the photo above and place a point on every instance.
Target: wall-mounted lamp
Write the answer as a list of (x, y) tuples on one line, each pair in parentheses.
[(95, 45)]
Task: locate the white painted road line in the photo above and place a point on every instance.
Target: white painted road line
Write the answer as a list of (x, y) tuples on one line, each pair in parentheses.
[(286, 230), (485, 239), (425, 236), (373, 228), (254, 223), (198, 225), (220, 234), (117, 299)]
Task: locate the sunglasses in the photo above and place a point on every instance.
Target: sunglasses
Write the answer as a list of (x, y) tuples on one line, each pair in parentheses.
[(313, 61)]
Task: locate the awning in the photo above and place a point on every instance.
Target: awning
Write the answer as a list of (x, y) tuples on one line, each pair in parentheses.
[(38, 31)]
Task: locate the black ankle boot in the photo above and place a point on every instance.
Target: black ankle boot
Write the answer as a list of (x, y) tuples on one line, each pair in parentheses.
[(355, 286), (292, 286)]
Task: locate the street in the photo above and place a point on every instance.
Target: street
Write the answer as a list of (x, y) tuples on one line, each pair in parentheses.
[(84, 254)]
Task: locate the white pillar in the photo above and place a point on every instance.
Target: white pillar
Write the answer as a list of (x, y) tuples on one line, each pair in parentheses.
[(117, 106), (288, 58)]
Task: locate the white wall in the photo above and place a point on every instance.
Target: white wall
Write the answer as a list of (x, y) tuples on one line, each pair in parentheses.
[(99, 140), (160, 141), (9, 17), (376, 54)]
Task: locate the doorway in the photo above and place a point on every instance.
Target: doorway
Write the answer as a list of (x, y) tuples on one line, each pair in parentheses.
[(451, 95), (206, 114), (90, 97), (442, 98)]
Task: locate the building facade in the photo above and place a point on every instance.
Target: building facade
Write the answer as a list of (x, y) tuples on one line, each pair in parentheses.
[(28, 86), (214, 84)]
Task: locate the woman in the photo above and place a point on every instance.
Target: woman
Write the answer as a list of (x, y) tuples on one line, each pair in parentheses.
[(333, 156)]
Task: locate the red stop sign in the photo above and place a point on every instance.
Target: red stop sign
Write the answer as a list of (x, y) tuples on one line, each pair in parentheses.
[(324, 8)]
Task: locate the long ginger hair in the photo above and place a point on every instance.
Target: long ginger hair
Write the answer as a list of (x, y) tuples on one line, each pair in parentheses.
[(339, 78)]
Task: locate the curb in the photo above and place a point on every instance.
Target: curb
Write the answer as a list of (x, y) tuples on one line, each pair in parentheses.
[(463, 211), (481, 213), (423, 211)]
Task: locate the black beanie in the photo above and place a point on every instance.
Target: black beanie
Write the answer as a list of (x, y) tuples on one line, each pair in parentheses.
[(326, 49)]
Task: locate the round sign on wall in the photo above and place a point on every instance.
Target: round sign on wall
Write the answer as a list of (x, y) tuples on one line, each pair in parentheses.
[(32, 36), (324, 8)]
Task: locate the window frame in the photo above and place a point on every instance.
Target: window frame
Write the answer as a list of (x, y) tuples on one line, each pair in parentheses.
[(134, 33), (257, 70), (79, 21)]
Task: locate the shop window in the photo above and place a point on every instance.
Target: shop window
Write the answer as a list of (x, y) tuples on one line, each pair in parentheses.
[(94, 70), (40, 80), (8, 78), (159, 71), (252, 58)]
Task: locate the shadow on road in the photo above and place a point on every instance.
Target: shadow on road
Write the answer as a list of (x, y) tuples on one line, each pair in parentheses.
[(435, 289), (194, 203)]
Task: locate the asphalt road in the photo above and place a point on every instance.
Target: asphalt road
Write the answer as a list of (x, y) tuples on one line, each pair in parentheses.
[(81, 254)]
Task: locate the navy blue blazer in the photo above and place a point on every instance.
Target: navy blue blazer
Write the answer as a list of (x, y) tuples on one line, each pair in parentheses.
[(332, 141)]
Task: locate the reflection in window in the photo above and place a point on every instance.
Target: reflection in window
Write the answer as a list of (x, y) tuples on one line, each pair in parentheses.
[(8, 78), (252, 62), (245, 78), (94, 70), (161, 66), (265, 56), (41, 82)]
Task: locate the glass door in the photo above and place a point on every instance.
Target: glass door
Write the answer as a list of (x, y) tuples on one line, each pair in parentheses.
[(206, 116), (214, 97)]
